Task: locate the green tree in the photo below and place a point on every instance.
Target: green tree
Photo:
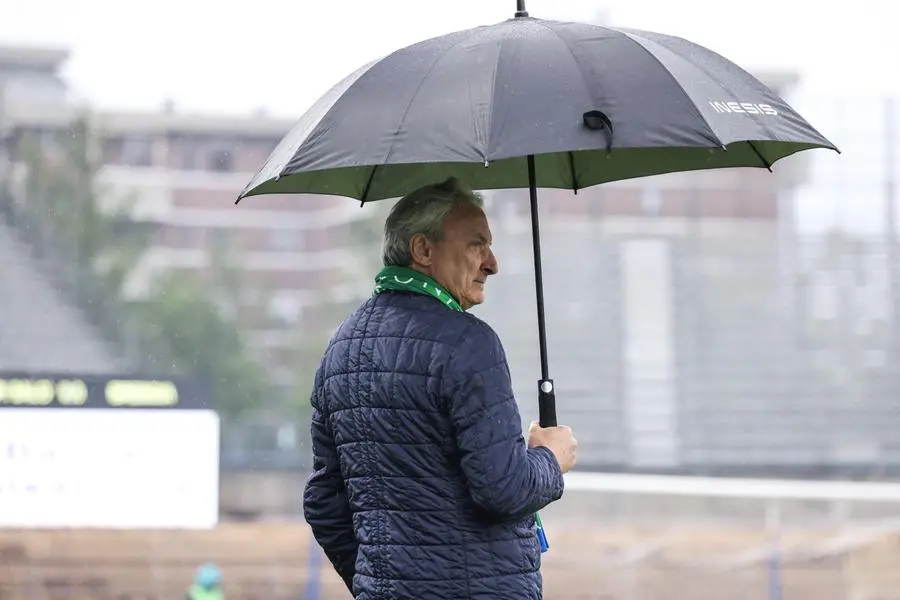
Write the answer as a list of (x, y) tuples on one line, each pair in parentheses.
[(180, 312), (89, 221)]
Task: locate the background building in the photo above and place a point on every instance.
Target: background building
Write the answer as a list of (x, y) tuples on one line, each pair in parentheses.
[(184, 172)]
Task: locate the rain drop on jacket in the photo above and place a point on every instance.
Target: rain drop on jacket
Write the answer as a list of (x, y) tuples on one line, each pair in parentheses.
[(422, 487)]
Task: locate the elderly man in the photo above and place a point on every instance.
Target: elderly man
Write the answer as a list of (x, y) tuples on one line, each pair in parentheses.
[(423, 486)]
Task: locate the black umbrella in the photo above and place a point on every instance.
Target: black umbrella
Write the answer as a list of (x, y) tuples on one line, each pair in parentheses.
[(536, 103)]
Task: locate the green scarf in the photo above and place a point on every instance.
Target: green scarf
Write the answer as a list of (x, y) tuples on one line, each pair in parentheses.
[(409, 280)]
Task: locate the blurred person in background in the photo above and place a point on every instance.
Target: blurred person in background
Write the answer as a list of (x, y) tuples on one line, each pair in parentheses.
[(423, 485), (207, 584)]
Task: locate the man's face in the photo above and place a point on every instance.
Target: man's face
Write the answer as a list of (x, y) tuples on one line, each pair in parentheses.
[(462, 260)]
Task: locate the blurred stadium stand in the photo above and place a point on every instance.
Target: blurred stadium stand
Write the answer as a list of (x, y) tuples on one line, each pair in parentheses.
[(40, 330)]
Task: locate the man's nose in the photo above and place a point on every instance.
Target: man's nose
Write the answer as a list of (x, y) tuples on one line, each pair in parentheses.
[(491, 266)]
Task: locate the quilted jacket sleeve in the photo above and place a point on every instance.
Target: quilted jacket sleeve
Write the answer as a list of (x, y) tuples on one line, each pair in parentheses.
[(325, 503), (504, 476)]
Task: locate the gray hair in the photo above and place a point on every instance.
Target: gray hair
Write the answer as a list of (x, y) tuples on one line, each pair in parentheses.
[(422, 211)]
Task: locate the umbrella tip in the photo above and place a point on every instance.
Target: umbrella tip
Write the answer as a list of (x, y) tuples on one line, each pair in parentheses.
[(520, 9)]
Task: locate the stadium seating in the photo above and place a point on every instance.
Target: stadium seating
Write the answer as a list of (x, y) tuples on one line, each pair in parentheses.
[(39, 330)]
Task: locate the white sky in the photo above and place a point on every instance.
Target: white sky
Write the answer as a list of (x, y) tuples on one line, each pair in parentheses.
[(282, 54)]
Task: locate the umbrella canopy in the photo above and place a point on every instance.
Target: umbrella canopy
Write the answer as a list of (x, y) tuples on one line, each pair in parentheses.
[(533, 103), (593, 104)]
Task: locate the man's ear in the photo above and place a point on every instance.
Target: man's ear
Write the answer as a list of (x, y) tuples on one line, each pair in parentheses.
[(421, 250)]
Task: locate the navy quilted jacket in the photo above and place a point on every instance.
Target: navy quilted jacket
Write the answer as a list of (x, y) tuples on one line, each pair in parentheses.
[(422, 485)]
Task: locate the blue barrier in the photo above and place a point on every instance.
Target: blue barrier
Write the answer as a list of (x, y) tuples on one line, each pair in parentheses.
[(774, 573), (314, 571)]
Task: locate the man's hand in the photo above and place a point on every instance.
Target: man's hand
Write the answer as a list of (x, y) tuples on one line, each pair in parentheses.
[(559, 440)]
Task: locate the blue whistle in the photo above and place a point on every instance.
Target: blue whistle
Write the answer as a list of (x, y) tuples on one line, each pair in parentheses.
[(541, 535)]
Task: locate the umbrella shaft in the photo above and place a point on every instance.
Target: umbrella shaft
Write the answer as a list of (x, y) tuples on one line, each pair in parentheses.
[(546, 392), (538, 270)]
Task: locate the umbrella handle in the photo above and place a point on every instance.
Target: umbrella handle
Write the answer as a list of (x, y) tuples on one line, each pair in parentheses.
[(547, 403), (547, 412)]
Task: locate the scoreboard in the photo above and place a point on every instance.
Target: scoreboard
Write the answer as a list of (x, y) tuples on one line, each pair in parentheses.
[(110, 452)]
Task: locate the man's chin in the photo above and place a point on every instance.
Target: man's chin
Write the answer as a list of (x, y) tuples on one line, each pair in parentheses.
[(474, 300)]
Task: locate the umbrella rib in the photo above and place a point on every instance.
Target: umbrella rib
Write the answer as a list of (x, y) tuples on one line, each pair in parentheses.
[(756, 118), (762, 158), (365, 194), (587, 88), (412, 99), (572, 171), (693, 104)]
